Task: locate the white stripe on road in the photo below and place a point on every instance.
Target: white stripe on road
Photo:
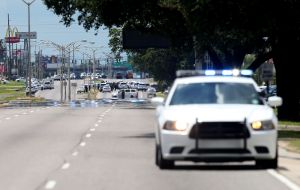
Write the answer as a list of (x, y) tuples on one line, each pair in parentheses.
[(65, 166), (88, 135), (92, 129), (96, 125), (8, 118), (75, 153), (50, 184), (284, 180), (16, 115), (83, 144), (99, 121)]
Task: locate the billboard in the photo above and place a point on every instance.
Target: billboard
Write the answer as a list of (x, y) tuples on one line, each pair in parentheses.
[(11, 35)]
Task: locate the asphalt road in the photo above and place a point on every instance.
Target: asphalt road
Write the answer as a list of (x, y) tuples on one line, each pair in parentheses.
[(95, 145), (103, 146)]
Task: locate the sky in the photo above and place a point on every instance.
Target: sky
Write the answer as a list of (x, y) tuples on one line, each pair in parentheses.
[(48, 27)]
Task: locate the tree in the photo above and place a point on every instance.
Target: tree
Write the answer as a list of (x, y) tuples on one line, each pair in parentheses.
[(228, 28)]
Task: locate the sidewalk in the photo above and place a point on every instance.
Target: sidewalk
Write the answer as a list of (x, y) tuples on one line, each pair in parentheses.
[(289, 161)]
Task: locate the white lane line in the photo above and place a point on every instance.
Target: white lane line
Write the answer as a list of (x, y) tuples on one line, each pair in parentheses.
[(82, 144), (65, 166), (16, 115), (96, 125), (50, 184), (88, 135), (75, 153), (92, 129), (8, 118), (24, 113), (102, 115), (284, 180), (99, 121), (31, 111)]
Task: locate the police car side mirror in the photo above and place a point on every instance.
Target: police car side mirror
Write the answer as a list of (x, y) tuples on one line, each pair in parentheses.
[(157, 101), (275, 101), (262, 93)]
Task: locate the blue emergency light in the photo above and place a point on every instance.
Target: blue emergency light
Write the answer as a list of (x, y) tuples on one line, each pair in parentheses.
[(233, 72)]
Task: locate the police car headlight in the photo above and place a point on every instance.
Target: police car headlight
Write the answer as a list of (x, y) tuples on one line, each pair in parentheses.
[(175, 126), (262, 125)]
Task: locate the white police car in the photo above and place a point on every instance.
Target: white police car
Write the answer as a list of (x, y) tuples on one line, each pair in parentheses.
[(218, 116)]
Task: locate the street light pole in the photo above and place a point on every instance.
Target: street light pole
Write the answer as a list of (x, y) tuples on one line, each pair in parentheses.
[(29, 47)]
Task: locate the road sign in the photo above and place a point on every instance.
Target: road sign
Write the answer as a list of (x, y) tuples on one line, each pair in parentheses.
[(267, 71), (25, 35)]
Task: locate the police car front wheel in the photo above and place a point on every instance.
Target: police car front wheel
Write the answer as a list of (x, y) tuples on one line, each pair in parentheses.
[(267, 164), (160, 161)]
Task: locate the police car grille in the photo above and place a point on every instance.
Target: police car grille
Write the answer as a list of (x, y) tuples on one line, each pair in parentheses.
[(219, 130)]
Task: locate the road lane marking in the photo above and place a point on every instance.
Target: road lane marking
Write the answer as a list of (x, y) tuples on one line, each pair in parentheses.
[(88, 135), (31, 111), (24, 113), (283, 179), (92, 129), (65, 166), (96, 125), (99, 121), (50, 184), (75, 153), (8, 118), (82, 144), (16, 115)]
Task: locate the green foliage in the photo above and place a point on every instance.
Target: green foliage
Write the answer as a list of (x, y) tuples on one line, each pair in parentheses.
[(115, 41), (229, 28), (295, 144), (162, 64)]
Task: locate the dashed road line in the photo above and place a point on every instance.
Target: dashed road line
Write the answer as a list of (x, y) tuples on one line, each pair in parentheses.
[(75, 153), (284, 180), (50, 184), (96, 125), (8, 118), (82, 144), (88, 135), (92, 129), (65, 166)]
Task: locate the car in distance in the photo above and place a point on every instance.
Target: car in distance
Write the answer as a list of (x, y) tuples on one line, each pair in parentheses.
[(80, 89), (216, 118), (106, 88), (151, 92)]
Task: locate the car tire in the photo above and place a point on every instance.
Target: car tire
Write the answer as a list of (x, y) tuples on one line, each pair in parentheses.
[(267, 163), (160, 161)]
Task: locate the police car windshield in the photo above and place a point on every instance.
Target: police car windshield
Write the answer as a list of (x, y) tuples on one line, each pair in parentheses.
[(215, 93)]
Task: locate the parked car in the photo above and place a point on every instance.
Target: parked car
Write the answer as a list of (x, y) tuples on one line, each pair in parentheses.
[(151, 92), (80, 89), (126, 94), (106, 88)]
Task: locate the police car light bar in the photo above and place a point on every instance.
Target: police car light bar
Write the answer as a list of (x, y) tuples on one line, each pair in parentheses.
[(234, 72)]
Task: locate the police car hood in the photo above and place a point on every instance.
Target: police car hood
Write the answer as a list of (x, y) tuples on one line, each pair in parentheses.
[(225, 112)]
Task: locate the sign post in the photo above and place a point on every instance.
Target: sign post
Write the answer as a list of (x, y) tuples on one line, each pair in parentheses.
[(267, 74)]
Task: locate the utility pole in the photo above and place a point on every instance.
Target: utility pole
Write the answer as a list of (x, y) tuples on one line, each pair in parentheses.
[(29, 47), (69, 78), (9, 49)]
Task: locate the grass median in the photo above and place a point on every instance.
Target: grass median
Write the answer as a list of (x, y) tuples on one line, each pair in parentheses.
[(15, 91), (289, 132)]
